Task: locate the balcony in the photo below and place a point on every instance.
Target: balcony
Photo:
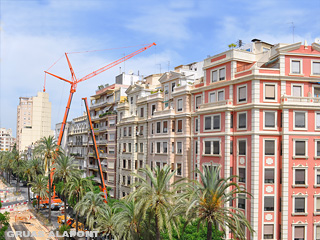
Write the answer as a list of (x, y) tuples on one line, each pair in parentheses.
[(103, 141), (186, 87), (123, 105), (93, 166), (155, 95), (131, 118), (215, 104), (165, 112), (103, 155), (300, 101)]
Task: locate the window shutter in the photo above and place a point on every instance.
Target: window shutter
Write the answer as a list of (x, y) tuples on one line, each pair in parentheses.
[(299, 232), (214, 76), (296, 91), (213, 97), (295, 67), (300, 119), (221, 96), (242, 94), (222, 74), (318, 232), (268, 229), (270, 119), (270, 92)]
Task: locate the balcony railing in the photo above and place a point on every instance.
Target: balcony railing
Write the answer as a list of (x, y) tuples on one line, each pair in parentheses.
[(164, 112), (215, 104), (300, 100)]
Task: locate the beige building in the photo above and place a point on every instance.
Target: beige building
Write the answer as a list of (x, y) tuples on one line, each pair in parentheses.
[(33, 120), (132, 132), (6, 139)]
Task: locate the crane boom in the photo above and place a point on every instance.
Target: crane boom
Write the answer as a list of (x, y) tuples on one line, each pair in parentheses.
[(104, 189), (125, 58)]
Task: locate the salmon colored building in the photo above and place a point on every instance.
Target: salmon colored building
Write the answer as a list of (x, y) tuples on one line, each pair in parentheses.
[(257, 114)]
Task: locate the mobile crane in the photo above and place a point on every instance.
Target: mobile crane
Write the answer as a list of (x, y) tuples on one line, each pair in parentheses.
[(73, 87)]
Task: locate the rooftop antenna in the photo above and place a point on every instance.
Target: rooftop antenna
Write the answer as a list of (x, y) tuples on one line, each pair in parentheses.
[(292, 25), (160, 67)]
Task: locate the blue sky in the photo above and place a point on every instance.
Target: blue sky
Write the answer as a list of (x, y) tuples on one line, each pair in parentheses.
[(35, 33)]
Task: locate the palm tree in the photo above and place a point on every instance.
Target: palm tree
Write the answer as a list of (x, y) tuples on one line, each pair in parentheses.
[(39, 186), (48, 147), (158, 198), (91, 206), (128, 218), (208, 201), (27, 173), (77, 188), (105, 223), (65, 169)]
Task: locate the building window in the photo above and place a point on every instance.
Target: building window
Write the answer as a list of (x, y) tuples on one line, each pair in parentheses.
[(242, 94), (158, 127), (316, 68), (318, 148), (242, 147), (299, 204), (318, 176), (196, 147), (165, 147), (212, 122), (221, 95), (151, 148), (300, 120), (173, 85), (297, 90), (222, 74), (179, 105), (268, 231), (141, 112), (124, 131), (231, 120), (141, 130), (179, 169), (129, 147), (295, 66), (269, 175), (299, 233), (300, 148), (318, 121), (136, 147), (242, 120), (269, 148), (212, 147), (141, 147), (179, 147), (214, 76), (129, 131), (196, 124), (179, 125), (270, 92), (269, 203), (198, 101), (165, 126), (269, 119), (172, 147), (212, 97), (242, 201), (124, 163), (173, 125), (153, 109), (158, 147), (300, 176), (151, 128), (317, 205), (242, 175)]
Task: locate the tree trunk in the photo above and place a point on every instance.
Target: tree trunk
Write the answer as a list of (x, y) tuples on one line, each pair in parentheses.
[(49, 193), (17, 185), (65, 206), (209, 231), (28, 192), (77, 220), (38, 199), (157, 229)]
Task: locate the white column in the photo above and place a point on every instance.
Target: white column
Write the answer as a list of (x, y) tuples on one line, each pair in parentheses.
[(285, 174), (255, 164), (282, 65)]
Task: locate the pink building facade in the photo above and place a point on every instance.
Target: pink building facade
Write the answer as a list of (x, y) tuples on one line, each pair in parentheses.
[(257, 115)]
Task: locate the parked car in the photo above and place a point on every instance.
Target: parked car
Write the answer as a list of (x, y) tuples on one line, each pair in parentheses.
[(55, 206)]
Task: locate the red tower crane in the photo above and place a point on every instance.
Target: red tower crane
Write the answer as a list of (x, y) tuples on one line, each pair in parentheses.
[(73, 87)]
